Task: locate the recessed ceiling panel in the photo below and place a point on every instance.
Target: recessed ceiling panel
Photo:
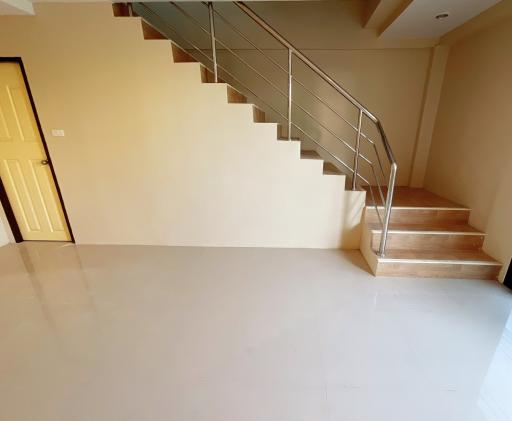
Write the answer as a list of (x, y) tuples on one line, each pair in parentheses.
[(418, 20)]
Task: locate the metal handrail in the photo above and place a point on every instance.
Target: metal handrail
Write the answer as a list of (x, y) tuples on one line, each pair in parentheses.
[(215, 40), (249, 12), (293, 51), (362, 110)]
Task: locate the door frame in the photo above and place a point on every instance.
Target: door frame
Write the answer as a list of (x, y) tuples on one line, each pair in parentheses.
[(4, 200)]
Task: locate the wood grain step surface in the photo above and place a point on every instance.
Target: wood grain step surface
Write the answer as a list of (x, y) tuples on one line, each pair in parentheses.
[(181, 56), (331, 169), (258, 115), (150, 32), (235, 97), (439, 256), (460, 264), (429, 237), (441, 270), (304, 154), (428, 228), (208, 77), (413, 197), (420, 215)]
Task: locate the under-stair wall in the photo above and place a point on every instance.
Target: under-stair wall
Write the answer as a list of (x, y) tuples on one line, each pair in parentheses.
[(153, 156)]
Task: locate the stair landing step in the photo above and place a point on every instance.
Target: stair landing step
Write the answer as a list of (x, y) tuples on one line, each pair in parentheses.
[(466, 257), (409, 197)]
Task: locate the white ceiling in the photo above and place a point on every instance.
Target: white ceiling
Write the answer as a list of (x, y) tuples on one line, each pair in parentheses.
[(418, 19)]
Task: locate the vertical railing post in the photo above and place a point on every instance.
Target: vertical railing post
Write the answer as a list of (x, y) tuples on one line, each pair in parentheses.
[(358, 144), (387, 210), (212, 37), (290, 80)]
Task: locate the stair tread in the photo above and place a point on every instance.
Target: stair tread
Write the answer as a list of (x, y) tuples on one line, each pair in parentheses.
[(441, 256), (434, 227), (414, 197), (309, 155)]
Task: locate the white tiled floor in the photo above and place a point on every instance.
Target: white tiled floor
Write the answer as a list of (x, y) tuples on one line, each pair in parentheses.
[(107, 333)]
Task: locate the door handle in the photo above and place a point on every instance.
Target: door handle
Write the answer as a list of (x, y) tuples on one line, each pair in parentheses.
[(45, 162)]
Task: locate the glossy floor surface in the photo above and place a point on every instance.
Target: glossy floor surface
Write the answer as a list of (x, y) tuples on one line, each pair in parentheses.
[(109, 333)]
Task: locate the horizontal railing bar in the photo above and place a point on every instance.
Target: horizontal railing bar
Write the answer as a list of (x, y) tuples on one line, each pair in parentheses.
[(384, 223), (330, 108), (261, 22), (185, 13), (169, 26), (329, 152), (250, 42), (305, 59), (344, 142), (210, 59), (253, 69)]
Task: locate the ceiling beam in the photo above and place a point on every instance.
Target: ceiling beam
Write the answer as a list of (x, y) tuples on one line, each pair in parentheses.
[(380, 13)]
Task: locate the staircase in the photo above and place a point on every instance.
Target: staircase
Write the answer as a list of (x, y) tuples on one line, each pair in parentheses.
[(428, 236), (406, 232)]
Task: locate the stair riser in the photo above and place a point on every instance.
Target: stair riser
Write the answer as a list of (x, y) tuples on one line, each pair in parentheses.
[(429, 241), (435, 270), (258, 115), (180, 56), (235, 97), (150, 33), (421, 216)]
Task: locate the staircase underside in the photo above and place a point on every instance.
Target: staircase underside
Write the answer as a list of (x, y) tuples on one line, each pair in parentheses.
[(429, 236)]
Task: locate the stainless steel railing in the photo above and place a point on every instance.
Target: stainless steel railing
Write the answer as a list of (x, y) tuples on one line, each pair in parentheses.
[(212, 64)]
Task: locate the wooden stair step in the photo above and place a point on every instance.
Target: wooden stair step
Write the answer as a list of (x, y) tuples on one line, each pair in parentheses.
[(181, 56), (468, 256), (463, 264), (305, 154), (413, 197), (429, 236), (150, 32), (122, 10), (235, 97), (421, 215), (208, 77), (258, 115), (430, 227), (331, 169)]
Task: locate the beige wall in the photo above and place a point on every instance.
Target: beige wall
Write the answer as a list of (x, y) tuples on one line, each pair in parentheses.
[(471, 153), (4, 230), (152, 156)]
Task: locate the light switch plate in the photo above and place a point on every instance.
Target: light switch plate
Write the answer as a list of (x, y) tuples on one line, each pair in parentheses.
[(58, 133)]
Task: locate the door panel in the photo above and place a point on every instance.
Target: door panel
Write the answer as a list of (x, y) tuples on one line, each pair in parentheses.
[(28, 182)]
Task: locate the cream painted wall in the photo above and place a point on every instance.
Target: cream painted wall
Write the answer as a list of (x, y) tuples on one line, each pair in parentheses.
[(432, 96), (152, 156), (471, 153), (4, 236)]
